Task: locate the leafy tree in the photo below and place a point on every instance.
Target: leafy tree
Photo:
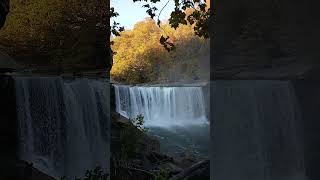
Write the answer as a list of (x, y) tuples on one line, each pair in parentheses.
[(57, 33), (140, 58), (163, 175), (194, 12), (138, 122)]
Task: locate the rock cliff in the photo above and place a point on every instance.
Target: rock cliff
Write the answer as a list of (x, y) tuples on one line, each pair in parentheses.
[(265, 39)]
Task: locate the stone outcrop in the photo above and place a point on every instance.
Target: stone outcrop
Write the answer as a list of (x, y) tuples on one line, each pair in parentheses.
[(4, 10), (147, 161), (265, 39)]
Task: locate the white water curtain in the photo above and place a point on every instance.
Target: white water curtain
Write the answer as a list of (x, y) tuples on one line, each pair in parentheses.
[(64, 126), (162, 106), (256, 131)]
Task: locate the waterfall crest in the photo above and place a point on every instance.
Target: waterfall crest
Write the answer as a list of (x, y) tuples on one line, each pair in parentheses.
[(162, 106), (256, 131), (63, 125)]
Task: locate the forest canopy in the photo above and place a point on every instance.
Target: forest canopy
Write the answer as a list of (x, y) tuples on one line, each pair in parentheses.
[(140, 57)]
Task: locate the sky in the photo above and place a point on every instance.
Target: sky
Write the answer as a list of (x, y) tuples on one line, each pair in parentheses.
[(131, 13)]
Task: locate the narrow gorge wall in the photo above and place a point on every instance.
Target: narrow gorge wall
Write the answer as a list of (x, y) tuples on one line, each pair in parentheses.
[(265, 39)]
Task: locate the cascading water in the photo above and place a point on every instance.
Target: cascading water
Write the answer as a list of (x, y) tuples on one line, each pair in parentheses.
[(176, 116), (63, 125), (256, 131), (162, 106)]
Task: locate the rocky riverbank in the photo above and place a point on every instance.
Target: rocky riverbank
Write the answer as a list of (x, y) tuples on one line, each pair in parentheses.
[(135, 155)]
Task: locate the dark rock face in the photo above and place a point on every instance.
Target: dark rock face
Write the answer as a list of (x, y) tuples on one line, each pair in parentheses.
[(4, 10), (8, 137), (263, 36), (309, 99)]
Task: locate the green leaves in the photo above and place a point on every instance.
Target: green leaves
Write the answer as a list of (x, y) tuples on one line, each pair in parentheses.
[(146, 6), (202, 7), (176, 3), (138, 122), (169, 46), (163, 175), (112, 13), (95, 174), (151, 12), (177, 17), (115, 28)]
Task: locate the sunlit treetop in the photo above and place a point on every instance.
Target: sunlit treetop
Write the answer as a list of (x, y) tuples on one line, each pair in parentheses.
[(199, 17), (194, 12), (140, 58)]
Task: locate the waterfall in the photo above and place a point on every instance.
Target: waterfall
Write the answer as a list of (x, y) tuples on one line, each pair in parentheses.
[(256, 131), (162, 106), (64, 125)]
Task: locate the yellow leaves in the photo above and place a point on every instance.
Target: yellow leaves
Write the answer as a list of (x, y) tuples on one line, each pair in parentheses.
[(140, 58)]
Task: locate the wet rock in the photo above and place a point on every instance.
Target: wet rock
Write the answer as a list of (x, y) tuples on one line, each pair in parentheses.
[(148, 161), (171, 168), (202, 173), (156, 157), (199, 170), (187, 162)]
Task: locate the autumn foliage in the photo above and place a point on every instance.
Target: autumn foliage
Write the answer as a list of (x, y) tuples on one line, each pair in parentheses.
[(140, 58)]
